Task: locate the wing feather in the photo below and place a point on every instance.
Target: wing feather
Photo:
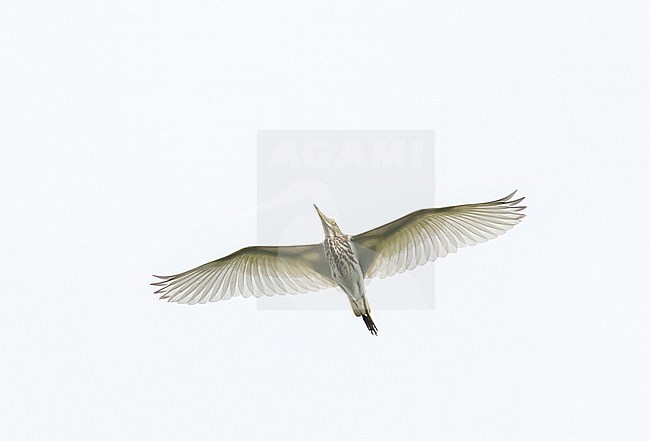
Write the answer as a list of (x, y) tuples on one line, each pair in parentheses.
[(251, 271), (425, 235)]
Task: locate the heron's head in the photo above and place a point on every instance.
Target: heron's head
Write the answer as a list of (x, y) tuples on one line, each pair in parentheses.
[(329, 225)]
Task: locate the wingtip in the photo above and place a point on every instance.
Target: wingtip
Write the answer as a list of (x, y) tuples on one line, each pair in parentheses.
[(516, 201), (162, 281)]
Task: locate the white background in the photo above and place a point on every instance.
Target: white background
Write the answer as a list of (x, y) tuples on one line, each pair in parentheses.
[(127, 137)]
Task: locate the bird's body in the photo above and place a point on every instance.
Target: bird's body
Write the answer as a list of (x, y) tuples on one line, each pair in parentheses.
[(342, 260)]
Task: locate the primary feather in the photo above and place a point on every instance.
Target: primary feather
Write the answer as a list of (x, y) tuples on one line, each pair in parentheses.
[(257, 271), (425, 235)]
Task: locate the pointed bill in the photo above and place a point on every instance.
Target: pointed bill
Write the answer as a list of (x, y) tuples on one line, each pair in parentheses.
[(323, 218)]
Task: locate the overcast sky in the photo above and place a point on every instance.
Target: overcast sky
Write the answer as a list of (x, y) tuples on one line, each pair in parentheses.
[(128, 147)]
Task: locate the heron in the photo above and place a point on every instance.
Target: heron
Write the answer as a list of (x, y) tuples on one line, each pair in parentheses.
[(344, 260)]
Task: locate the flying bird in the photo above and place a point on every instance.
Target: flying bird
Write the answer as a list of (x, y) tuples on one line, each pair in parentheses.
[(343, 260)]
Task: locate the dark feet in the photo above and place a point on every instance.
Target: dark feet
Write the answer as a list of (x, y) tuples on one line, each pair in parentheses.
[(369, 324)]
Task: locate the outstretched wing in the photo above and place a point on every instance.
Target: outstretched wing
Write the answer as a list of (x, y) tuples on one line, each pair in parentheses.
[(425, 235), (256, 271)]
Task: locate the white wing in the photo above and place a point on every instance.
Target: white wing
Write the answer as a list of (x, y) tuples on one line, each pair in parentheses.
[(425, 235), (256, 271)]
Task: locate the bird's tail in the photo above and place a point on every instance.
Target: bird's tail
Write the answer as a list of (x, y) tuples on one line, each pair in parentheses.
[(361, 309), (369, 323)]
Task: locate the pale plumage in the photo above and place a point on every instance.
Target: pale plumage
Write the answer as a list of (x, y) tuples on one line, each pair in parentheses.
[(425, 235), (410, 241), (251, 271)]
